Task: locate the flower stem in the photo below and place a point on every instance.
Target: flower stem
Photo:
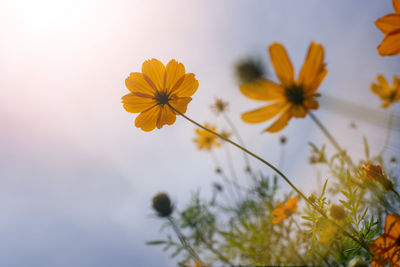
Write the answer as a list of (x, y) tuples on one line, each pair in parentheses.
[(277, 171), (330, 137), (184, 243)]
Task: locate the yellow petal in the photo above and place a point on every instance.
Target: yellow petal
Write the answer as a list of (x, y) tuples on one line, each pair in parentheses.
[(317, 81), (166, 116), (262, 90), (298, 111), (281, 62), (136, 83), (280, 123), (187, 87), (396, 6), (135, 104), (311, 104), (388, 23), (174, 71), (147, 120), (312, 73), (154, 73), (180, 103), (390, 46), (263, 114)]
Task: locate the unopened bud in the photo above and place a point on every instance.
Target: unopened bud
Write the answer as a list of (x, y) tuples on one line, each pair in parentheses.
[(337, 212)]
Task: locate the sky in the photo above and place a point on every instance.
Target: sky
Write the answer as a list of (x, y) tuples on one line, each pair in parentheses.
[(76, 175)]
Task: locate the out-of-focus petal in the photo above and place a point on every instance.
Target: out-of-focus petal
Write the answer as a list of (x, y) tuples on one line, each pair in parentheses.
[(264, 113), (390, 46), (262, 90), (312, 73), (282, 64), (388, 23), (280, 123)]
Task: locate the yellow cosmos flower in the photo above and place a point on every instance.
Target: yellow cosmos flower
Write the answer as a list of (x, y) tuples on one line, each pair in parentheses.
[(157, 87), (284, 211), (206, 140), (390, 26), (388, 94), (291, 98)]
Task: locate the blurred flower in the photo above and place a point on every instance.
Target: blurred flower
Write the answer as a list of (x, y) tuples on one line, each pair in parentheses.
[(196, 264), (390, 26), (326, 234), (226, 133), (283, 140), (357, 261), (162, 205), (386, 248), (249, 70), (375, 173), (219, 106), (284, 211), (153, 90), (337, 212), (292, 98), (388, 94), (393, 160), (218, 187), (206, 140)]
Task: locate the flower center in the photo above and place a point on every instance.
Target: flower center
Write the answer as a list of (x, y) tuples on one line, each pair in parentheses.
[(161, 97), (295, 94)]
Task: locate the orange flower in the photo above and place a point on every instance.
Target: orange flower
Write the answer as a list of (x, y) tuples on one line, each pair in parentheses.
[(386, 248), (389, 94), (390, 26), (374, 172), (156, 89), (292, 98), (284, 211), (206, 140)]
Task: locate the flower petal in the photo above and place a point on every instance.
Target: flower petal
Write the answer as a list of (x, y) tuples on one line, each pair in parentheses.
[(311, 104), (147, 120), (390, 46), (186, 87), (166, 116), (134, 104), (174, 72), (396, 6), (136, 83), (392, 225), (264, 113), (281, 62), (388, 23), (262, 90), (154, 73), (313, 71), (280, 123), (298, 111), (180, 103)]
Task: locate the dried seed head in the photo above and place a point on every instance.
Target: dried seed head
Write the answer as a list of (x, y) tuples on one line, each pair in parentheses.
[(162, 205), (249, 70)]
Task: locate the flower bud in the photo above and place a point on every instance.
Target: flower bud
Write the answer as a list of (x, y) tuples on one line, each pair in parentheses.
[(337, 212), (162, 205), (374, 172)]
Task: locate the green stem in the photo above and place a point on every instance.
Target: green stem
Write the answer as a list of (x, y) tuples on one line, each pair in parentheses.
[(276, 170), (184, 243), (240, 140)]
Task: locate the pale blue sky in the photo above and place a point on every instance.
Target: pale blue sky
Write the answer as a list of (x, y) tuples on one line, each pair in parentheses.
[(76, 176)]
